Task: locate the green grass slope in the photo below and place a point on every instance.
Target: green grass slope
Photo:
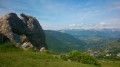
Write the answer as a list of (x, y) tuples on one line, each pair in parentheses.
[(11, 56)]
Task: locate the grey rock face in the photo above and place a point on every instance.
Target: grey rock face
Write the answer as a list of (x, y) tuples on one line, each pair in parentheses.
[(27, 27)]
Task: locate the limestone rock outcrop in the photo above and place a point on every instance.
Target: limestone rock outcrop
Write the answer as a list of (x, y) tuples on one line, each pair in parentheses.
[(26, 27)]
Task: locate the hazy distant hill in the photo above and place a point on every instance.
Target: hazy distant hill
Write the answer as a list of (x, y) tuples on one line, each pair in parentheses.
[(112, 33), (62, 42), (97, 39)]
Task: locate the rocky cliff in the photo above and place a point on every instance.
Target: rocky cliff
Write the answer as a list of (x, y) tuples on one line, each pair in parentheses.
[(27, 29)]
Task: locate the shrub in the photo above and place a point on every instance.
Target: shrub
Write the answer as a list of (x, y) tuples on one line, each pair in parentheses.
[(74, 55), (81, 57)]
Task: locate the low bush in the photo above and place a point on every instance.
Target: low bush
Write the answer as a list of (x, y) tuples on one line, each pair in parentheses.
[(80, 57)]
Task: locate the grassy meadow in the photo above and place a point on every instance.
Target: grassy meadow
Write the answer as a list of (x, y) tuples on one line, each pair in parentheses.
[(11, 56)]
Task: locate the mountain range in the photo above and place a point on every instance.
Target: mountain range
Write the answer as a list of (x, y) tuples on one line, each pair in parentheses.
[(77, 39), (111, 33)]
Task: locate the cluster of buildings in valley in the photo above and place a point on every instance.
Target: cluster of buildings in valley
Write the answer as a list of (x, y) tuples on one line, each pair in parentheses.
[(106, 53)]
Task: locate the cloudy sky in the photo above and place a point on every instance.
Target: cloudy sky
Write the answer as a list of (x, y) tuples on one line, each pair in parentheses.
[(68, 14)]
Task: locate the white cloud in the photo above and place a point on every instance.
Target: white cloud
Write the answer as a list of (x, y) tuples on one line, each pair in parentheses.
[(101, 24), (75, 25)]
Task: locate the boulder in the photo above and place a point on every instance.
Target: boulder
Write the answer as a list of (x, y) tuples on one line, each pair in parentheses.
[(27, 45), (42, 49)]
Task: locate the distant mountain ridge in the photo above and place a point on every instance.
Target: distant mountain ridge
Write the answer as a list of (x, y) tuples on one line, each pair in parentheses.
[(112, 33), (67, 40)]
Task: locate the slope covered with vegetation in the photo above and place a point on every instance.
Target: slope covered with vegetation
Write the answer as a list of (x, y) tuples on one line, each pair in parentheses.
[(10, 56), (62, 42)]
